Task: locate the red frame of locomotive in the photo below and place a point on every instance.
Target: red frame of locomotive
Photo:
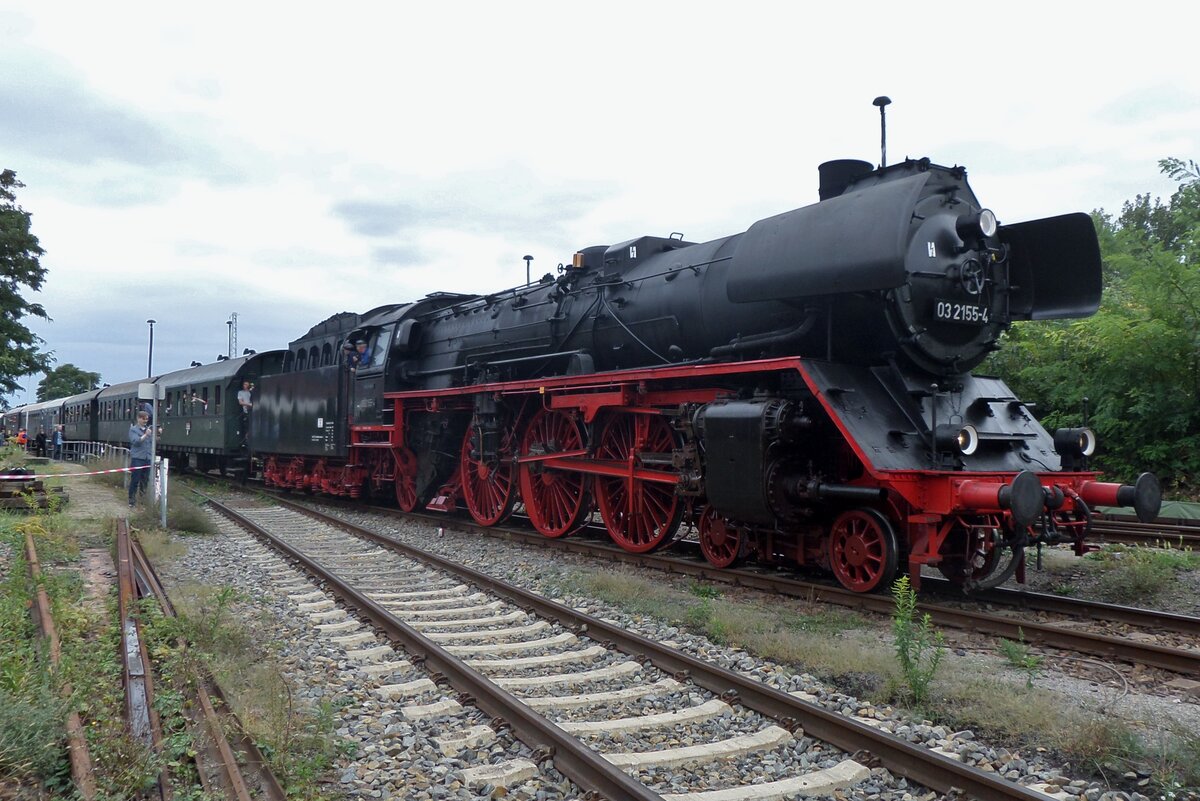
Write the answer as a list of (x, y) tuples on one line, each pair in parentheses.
[(926, 504)]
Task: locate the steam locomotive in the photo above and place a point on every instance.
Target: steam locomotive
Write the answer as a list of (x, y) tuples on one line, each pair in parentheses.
[(798, 393)]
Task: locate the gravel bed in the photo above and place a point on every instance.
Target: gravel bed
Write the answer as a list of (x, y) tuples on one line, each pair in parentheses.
[(6, 559), (519, 564), (389, 757), (804, 755), (1084, 579)]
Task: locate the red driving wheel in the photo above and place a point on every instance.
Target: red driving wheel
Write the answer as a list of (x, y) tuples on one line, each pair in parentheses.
[(555, 500), (863, 550), (722, 543), (640, 515), (489, 488), (406, 480)]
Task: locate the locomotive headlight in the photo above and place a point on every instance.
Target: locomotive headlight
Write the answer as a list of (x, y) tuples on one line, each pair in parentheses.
[(980, 225), (964, 439), (968, 440), (1075, 441)]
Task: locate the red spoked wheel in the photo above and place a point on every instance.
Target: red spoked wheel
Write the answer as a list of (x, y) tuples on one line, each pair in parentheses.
[(555, 500), (863, 550), (640, 515), (406, 480), (722, 543), (489, 488)]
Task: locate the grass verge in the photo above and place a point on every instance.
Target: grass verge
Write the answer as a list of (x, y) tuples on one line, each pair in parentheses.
[(838, 646), (1131, 573)]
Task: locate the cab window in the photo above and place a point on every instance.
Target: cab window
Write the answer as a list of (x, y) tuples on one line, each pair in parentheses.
[(378, 344)]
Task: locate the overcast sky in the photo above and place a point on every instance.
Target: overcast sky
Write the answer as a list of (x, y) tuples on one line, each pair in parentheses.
[(289, 161)]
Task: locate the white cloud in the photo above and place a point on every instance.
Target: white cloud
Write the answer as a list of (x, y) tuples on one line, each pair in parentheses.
[(193, 161)]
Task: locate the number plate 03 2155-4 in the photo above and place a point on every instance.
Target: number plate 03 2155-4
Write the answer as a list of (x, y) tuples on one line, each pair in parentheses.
[(952, 311)]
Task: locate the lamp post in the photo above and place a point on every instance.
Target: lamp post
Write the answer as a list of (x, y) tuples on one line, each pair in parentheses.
[(150, 356), (527, 259)]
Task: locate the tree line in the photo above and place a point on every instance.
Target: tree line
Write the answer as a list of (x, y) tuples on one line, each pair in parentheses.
[(1137, 360)]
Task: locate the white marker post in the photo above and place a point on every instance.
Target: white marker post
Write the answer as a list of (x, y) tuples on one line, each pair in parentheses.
[(154, 393)]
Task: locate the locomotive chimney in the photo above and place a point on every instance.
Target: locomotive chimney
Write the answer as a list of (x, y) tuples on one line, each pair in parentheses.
[(839, 174)]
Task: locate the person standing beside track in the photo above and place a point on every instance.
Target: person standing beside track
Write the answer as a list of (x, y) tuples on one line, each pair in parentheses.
[(140, 456), (58, 443)]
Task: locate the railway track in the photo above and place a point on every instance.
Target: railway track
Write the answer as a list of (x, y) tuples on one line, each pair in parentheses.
[(236, 770), (1175, 534), (951, 612), (515, 655)]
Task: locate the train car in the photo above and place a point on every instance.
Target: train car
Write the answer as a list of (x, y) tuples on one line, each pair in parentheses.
[(201, 423), (801, 391), (12, 420), (79, 417), (328, 402), (40, 417), (116, 410), (299, 418)]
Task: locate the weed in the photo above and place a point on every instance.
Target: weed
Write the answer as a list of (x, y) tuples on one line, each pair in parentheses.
[(297, 740), (1018, 655), (184, 515), (919, 647), (1130, 573), (1173, 760), (1065, 588), (704, 590)]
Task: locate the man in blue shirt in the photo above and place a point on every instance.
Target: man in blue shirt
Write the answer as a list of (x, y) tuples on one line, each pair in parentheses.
[(140, 456), (361, 356), (58, 442)]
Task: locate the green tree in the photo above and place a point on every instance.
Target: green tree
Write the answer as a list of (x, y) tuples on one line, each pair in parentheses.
[(1137, 359), (19, 267), (66, 380)]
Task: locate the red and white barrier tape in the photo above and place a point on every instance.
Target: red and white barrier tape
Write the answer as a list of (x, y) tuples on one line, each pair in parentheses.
[(31, 476)]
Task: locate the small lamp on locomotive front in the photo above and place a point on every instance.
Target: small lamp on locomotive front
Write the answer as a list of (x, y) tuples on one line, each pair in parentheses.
[(1075, 442), (951, 437)]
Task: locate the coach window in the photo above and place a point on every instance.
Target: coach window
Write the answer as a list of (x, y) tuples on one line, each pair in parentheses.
[(204, 397)]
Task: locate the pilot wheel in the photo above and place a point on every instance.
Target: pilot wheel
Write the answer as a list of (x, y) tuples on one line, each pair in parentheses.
[(863, 550)]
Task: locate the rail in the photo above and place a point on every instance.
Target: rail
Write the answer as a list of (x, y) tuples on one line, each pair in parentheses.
[(902, 758), (1175, 660), (136, 673), (221, 763), (77, 749)]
